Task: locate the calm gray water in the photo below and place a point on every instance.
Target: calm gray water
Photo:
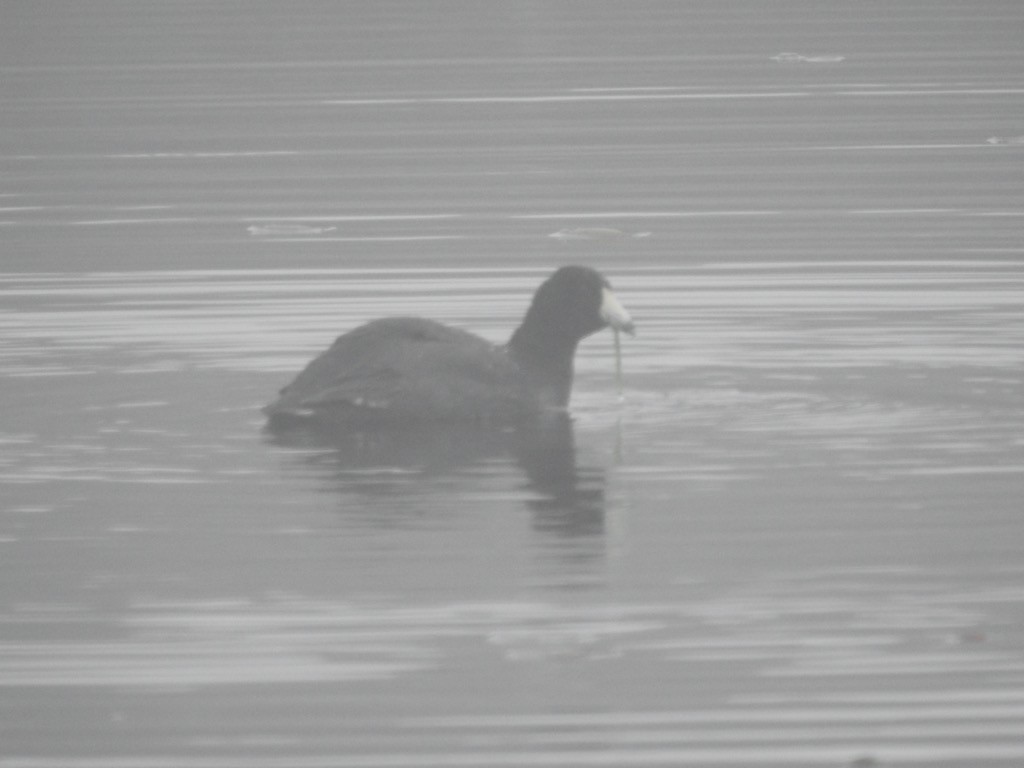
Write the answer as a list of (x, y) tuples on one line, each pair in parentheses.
[(796, 539)]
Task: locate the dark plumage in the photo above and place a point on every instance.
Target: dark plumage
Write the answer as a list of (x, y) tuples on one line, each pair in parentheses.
[(407, 370)]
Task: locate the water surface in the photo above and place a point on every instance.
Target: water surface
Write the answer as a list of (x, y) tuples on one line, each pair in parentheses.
[(794, 540)]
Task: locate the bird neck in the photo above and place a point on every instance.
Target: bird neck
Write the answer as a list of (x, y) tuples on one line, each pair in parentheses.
[(546, 358)]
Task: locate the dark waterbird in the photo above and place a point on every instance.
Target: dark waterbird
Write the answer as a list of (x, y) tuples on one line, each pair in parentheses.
[(406, 370)]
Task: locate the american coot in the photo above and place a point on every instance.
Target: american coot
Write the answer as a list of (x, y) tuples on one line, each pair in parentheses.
[(408, 370)]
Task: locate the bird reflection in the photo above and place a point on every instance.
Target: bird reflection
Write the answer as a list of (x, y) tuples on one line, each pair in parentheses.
[(566, 499), (572, 501)]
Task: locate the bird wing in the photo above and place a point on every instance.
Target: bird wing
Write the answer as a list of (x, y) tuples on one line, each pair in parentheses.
[(407, 369)]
